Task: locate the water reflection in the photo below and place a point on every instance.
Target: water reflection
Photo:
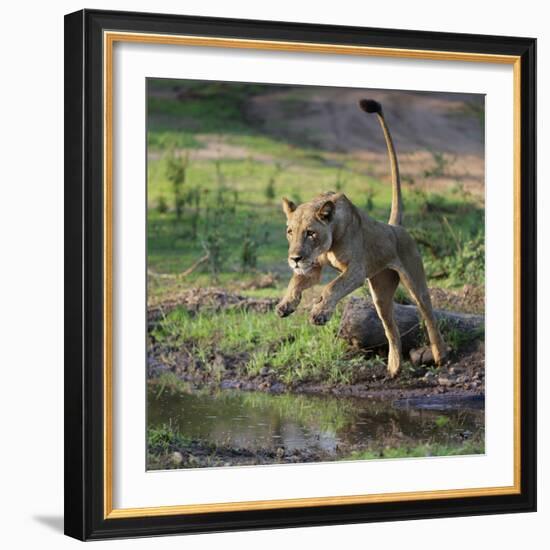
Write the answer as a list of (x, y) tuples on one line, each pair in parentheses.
[(256, 420)]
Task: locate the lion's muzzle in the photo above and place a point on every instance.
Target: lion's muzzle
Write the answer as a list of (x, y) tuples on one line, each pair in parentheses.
[(300, 266)]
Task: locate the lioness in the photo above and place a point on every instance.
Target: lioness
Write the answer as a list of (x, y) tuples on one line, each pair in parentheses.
[(331, 230)]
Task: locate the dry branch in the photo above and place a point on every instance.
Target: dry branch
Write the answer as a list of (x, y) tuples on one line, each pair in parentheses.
[(181, 275)]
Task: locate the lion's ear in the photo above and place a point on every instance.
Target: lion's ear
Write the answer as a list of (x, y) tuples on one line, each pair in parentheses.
[(326, 212), (288, 207)]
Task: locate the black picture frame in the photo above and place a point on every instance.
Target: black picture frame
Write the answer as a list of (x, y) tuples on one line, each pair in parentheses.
[(84, 281)]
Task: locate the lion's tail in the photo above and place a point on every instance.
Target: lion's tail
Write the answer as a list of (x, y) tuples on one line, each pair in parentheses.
[(396, 215)]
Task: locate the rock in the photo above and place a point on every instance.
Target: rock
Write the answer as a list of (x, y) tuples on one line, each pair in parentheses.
[(442, 402), (264, 371), (361, 326), (277, 387), (417, 371), (177, 458), (421, 356), (443, 381), (219, 363), (228, 384)]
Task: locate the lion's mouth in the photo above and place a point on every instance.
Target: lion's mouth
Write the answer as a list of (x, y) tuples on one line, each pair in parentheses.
[(301, 268)]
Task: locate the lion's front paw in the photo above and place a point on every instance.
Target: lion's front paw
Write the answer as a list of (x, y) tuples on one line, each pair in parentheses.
[(320, 314), (285, 308)]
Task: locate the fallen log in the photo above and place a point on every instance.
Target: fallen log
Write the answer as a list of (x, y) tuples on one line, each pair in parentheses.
[(362, 328)]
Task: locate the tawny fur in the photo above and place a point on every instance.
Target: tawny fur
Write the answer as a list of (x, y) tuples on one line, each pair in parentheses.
[(330, 230)]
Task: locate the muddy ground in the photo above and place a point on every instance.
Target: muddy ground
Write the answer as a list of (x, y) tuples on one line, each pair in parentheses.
[(201, 454)]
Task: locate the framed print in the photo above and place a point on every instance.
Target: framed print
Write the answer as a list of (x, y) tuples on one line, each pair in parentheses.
[(300, 274)]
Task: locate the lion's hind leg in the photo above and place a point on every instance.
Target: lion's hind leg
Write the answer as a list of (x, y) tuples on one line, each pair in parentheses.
[(414, 279), (383, 286)]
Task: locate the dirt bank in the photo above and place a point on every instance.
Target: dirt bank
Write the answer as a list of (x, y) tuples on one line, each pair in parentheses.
[(195, 300), (329, 118)]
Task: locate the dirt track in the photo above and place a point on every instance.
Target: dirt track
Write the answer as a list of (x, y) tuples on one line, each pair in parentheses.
[(330, 119)]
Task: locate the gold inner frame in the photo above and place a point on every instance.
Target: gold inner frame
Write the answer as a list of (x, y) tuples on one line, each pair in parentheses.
[(109, 39)]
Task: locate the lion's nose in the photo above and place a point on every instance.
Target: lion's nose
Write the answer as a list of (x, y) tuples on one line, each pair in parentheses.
[(295, 259)]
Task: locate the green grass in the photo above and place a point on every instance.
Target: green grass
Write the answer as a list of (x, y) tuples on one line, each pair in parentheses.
[(457, 338), (167, 139), (412, 450), (292, 348), (204, 107), (162, 439), (450, 234)]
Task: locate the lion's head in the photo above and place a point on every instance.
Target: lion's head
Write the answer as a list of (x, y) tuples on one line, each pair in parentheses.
[(308, 231)]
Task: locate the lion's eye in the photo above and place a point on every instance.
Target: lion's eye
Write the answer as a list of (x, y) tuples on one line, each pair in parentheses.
[(310, 234)]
